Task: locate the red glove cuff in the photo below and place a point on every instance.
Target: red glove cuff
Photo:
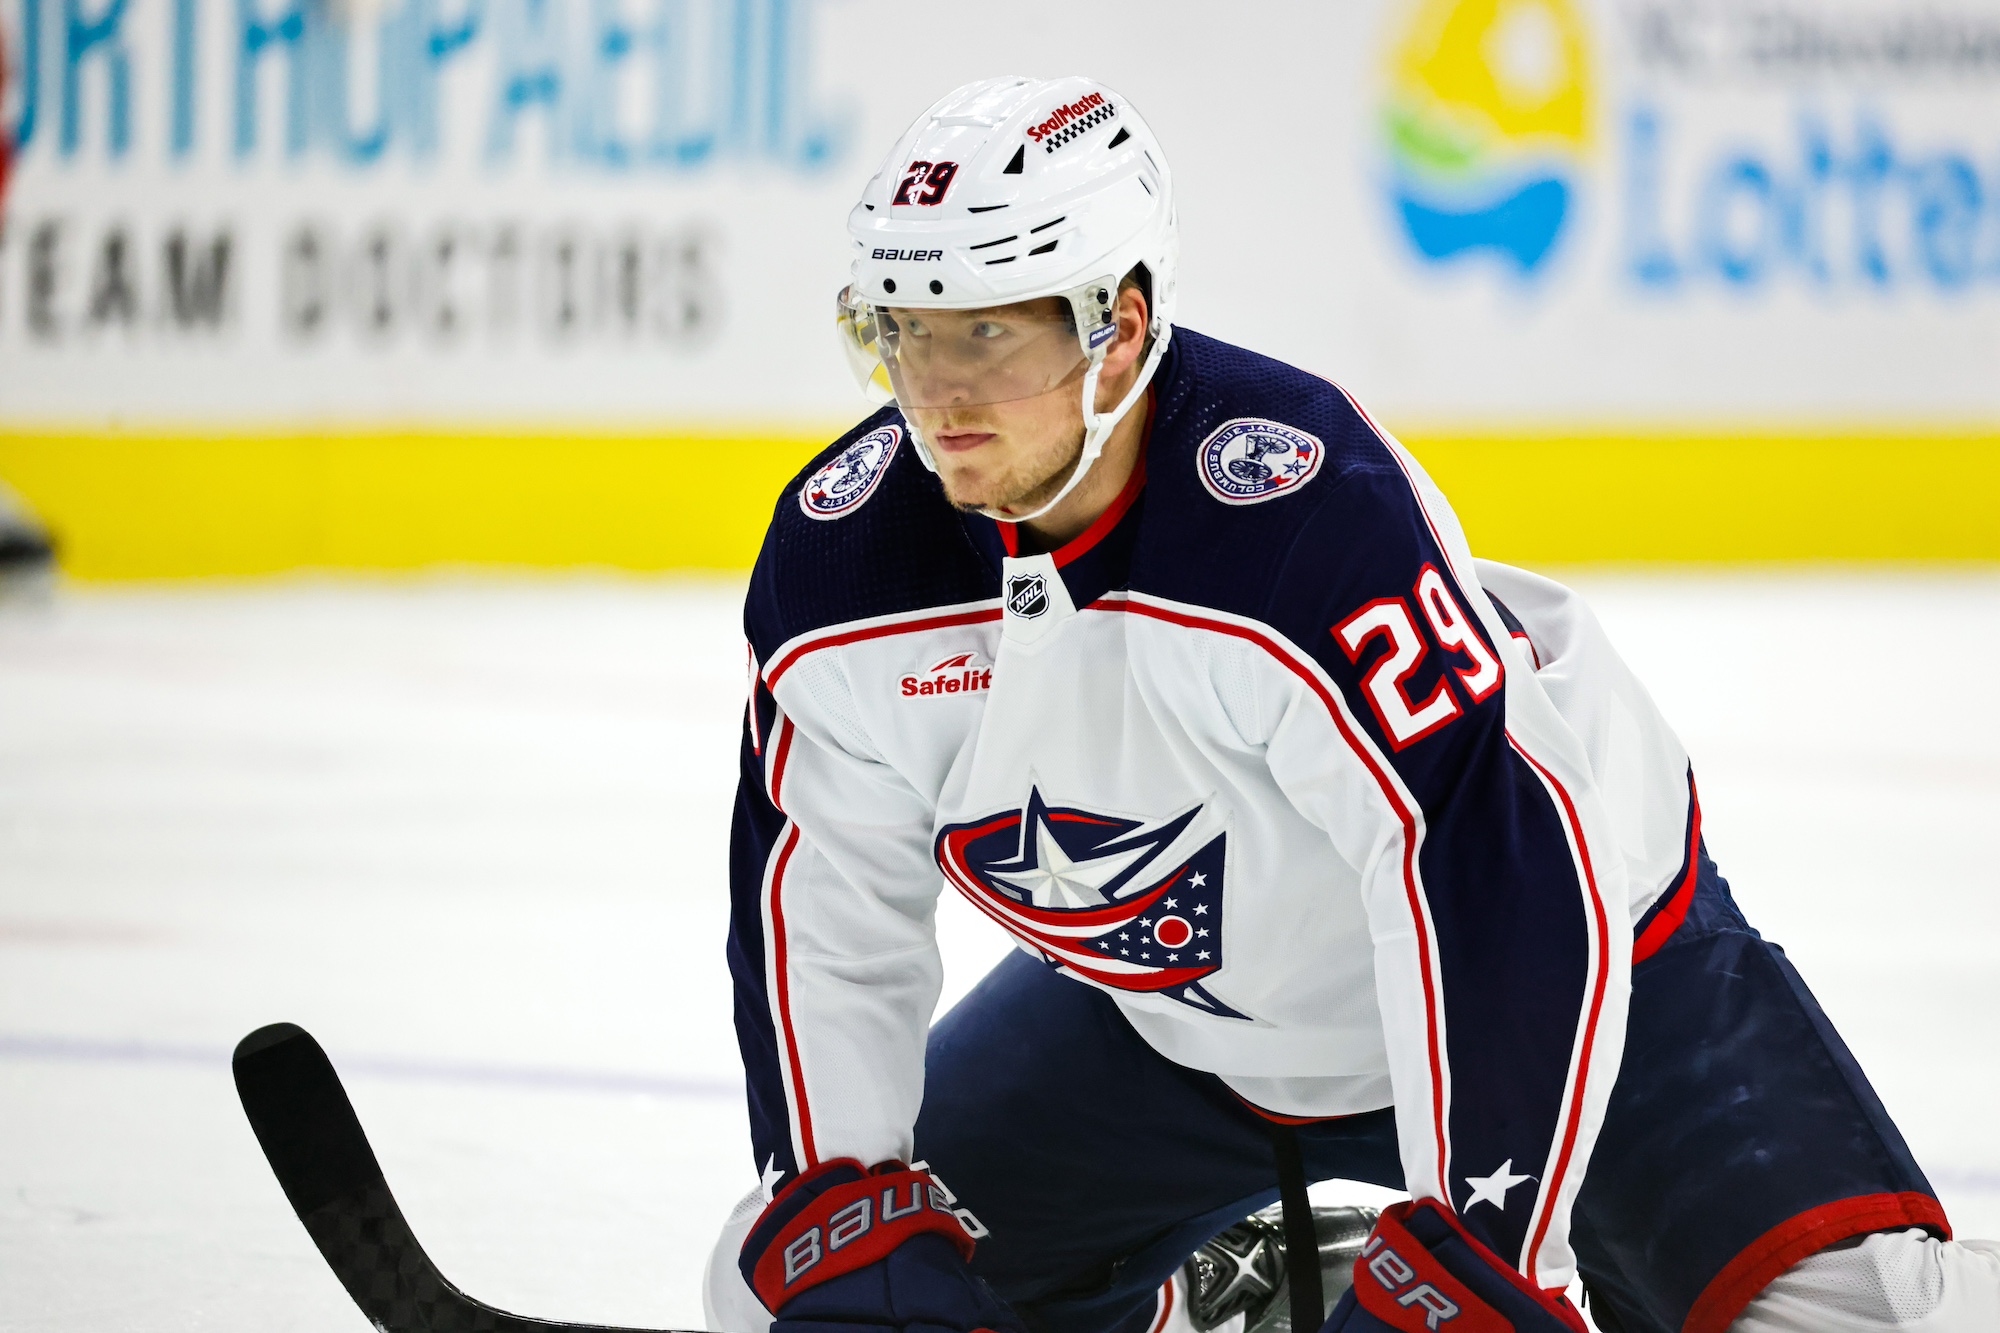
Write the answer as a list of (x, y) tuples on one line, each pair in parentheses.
[(851, 1226), (1400, 1282)]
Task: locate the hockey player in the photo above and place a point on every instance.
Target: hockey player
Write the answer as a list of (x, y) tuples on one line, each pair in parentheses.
[(1177, 667)]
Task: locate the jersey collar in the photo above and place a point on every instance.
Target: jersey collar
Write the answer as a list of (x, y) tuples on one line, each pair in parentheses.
[(1099, 558)]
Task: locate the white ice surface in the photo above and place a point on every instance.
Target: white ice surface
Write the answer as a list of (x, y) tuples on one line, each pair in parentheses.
[(472, 835)]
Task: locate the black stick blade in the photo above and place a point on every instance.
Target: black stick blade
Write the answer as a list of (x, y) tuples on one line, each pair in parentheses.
[(302, 1117), (320, 1154)]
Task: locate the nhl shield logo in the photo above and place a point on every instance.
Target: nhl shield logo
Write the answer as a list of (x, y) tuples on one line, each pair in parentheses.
[(1027, 595), (1249, 460), (843, 484)]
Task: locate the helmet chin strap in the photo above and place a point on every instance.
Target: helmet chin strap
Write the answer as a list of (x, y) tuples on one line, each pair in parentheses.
[(1097, 429)]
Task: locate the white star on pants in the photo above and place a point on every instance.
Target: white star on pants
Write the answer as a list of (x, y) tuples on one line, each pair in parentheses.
[(769, 1178), (1493, 1189)]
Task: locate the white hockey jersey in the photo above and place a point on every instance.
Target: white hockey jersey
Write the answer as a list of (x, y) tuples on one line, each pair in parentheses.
[(1257, 755)]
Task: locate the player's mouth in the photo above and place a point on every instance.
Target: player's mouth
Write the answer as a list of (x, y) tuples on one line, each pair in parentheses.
[(961, 441)]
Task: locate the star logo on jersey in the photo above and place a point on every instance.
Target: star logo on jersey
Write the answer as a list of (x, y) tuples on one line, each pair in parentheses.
[(842, 485), (1493, 1189), (1249, 460), (1122, 902)]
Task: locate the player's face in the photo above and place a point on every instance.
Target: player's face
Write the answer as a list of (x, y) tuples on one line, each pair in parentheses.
[(1016, 449)]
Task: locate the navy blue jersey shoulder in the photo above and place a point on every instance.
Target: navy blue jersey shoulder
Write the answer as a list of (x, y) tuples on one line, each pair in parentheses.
[(1347, 564), (1349, 546), (902, 548), (1242, 557)]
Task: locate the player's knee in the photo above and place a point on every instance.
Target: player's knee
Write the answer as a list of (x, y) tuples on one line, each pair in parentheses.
[(726, 1299), (1906, 1281)]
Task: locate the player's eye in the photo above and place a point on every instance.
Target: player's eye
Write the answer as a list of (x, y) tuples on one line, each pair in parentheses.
[(987, 328), (914, 328)]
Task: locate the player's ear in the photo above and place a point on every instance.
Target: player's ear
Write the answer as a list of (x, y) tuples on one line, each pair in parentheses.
[(1133, 315)]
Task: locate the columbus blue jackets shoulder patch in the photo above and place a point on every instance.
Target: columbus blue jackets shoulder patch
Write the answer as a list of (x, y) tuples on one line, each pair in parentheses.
[(846, 482), (1250, 459)]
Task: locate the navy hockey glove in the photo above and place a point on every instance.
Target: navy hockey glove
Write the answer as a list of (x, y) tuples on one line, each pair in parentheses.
[(840, 1247), (1422, 1272)]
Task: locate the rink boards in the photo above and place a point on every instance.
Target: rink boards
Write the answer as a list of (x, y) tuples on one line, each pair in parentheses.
[(404, 282), (136, 505)]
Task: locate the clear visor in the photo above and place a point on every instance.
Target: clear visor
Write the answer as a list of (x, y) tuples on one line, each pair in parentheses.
[(962, 358)]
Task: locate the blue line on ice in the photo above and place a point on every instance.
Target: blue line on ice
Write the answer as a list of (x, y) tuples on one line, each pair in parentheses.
[(30, 1046)]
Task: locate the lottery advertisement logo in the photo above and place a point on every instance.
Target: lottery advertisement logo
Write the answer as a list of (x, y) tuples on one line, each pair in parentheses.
[(1487, 127), (1249, 460), (1117, 901), (851, 477)]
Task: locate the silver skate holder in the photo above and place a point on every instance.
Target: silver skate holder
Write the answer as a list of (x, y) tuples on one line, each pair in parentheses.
[(1236, 1282)]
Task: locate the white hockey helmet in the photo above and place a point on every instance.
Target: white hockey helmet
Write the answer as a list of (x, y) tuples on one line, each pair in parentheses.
[(1008, 190)]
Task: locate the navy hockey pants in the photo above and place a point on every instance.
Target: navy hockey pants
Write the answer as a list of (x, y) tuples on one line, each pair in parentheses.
[(1741, 1136)]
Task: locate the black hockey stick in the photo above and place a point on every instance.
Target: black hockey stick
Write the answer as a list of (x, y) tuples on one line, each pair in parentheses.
[(321, 1156)]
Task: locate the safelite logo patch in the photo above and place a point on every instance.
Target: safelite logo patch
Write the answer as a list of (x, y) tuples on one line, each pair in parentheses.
[(850, 478), (961, 673)]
